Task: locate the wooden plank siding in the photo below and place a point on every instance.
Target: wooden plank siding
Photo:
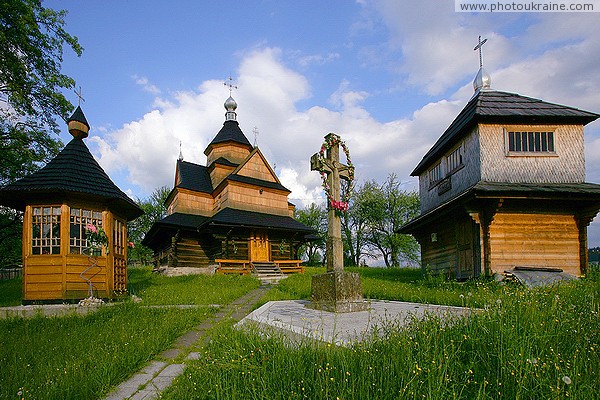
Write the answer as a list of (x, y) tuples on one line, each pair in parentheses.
[(538, 240)]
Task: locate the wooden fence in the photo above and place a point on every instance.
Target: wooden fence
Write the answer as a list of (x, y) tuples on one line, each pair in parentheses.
[(10, 273)]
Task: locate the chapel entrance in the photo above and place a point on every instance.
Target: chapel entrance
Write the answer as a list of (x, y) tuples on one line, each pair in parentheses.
[(259, 247)]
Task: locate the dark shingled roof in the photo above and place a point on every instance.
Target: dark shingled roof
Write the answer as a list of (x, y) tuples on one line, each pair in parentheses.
[(256, 182), (163, 229), (224, 161), (194, 177), (230, 132), (72, 173), (78, 116), (492, 106), (582, 190), (233, 217), (561, 192)]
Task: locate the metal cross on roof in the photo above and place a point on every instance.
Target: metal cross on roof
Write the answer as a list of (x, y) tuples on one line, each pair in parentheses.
[(255, 131), (79, 95), (230, 85), (478, 47)]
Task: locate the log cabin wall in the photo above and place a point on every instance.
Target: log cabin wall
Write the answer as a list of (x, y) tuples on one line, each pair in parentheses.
[(453, 182), (231, 151), (438, 247), (190, 202), (538, 240), (256, 168), (250, 198), (192, 252), (567, 165), (218, 172)]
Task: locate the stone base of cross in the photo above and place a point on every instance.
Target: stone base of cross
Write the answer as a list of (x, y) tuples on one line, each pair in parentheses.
[(336, 290)]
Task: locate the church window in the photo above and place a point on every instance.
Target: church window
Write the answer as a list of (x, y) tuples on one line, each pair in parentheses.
[(530, 142), (455, 159), (435, 174), (45, 230), (79, 219)]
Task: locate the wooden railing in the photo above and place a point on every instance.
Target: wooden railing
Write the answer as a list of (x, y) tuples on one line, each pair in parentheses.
[(244, 267), (226, 266), (290, 266)]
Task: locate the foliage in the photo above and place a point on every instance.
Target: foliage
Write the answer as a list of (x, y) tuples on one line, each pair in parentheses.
[(385, 208), (376, 212), (96, 237), (10, 292), (11, 231), (315, 217), (31, 49), (154, 210), (522, 343)]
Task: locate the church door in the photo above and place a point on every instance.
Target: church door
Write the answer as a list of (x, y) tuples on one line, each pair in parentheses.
[(259, 247), (467, 235)]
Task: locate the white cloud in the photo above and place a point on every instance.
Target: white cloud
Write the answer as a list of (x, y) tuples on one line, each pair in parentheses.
[(145, 84)]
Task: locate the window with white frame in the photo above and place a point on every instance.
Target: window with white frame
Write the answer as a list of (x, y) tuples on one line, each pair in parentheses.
[(79, 219), (526, 142), (45, 230)]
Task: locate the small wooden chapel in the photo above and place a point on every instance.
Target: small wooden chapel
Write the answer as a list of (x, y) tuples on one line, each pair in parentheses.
[(59, 201), (230, 216), (504, 187)]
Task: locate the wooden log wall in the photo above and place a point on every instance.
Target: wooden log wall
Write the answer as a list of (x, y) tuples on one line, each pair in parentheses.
[(537, 240)]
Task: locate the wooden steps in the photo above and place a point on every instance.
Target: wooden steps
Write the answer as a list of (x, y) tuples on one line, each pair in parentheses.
[(268, 272)]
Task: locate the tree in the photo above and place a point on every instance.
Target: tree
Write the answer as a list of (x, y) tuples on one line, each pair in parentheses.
[(354, 227), (154, 210), (314, 216), (385, 209), (31, 49)]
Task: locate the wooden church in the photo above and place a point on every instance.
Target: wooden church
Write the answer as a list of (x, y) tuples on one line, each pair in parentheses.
[(504, 187), (60, 201), (232, 215)]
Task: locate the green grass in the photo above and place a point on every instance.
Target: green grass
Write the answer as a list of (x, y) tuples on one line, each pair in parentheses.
[(10, 292), (524, 344), (83, 357), (190, 289)]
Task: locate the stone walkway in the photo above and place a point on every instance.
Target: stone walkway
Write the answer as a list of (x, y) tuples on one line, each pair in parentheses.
[(160, 373)]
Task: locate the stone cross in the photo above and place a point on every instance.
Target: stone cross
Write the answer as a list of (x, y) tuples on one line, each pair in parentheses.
[(335, 171)]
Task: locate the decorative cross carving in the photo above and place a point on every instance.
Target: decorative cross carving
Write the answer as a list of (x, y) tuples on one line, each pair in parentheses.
[(335, 171), (478, 47)]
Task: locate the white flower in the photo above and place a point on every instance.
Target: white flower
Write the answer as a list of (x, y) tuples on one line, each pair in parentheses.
[(566, 380)]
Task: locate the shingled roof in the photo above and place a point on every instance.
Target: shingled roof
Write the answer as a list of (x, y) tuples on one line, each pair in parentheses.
[(194, 177), (257, 182), (73, 173), (493, 106), (251, 219), (161, 230), (230, 132)]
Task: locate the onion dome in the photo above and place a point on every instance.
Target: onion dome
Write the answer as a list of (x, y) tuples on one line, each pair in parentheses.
[(482, 80), (78, 125), (230, 105)]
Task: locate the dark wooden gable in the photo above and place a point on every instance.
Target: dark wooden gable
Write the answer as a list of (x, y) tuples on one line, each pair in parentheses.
[(493, 106)]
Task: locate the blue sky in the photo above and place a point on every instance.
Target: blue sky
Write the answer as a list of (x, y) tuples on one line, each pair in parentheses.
[(388, 76)]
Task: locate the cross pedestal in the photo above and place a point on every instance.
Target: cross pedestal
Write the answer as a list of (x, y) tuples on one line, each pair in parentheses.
[(336, 290)]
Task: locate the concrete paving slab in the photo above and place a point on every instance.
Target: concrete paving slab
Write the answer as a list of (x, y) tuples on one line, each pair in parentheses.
[(297, 321)]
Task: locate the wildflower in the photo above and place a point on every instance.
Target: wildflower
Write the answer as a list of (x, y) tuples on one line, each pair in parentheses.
[(131, 245), (566, 380)]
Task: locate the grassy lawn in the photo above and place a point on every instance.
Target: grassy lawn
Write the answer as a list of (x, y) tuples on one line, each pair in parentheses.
[(83, 357), (525, 344)]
